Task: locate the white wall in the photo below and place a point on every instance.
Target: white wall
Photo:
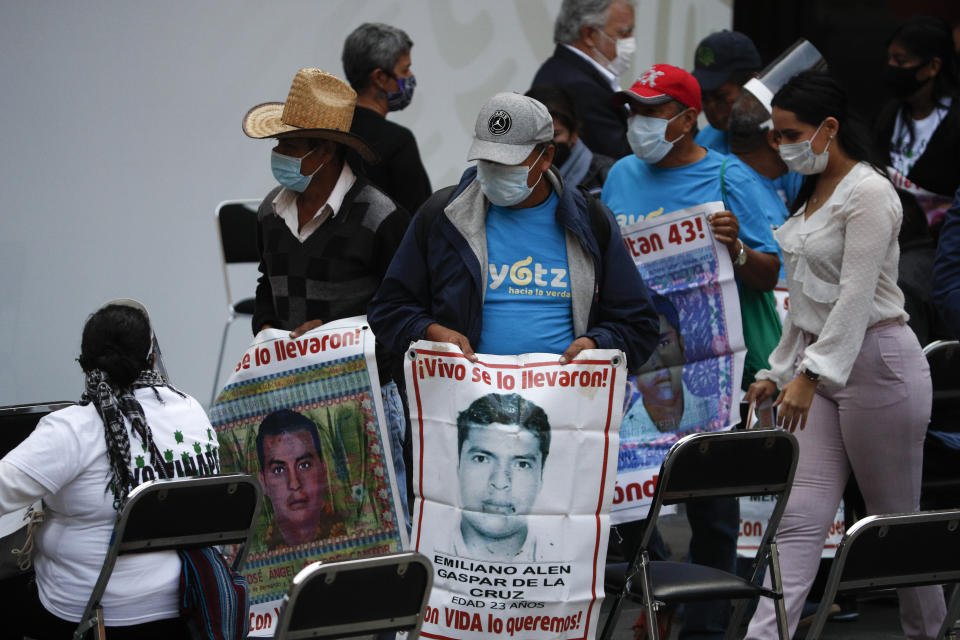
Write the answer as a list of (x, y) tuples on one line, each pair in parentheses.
[(121, 133)]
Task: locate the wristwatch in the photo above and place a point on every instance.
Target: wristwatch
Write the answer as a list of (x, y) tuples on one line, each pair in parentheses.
[(812, 376), (742, 256)]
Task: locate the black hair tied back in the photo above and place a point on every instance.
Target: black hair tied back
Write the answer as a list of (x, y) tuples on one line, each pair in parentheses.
[(814, 96), (116, 340)]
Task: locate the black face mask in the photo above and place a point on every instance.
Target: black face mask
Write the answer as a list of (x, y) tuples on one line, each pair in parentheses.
[(562, 154), (902, 80)]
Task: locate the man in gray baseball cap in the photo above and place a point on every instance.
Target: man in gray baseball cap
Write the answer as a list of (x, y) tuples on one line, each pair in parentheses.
[(509, 261)]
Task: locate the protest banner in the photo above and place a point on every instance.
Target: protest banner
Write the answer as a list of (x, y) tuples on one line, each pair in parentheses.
[(691, 383), (305, 417), (755, 513), (514, 466)]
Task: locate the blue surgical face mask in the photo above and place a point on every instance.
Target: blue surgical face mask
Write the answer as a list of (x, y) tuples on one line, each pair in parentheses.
[(505, 185), (286, 169), (400, 99), (647, 137)]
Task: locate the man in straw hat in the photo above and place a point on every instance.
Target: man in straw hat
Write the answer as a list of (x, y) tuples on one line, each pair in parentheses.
[(509, 261), (326, 234)]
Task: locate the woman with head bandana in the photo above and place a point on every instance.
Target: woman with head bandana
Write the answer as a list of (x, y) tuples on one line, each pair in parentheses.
[(129, 427)]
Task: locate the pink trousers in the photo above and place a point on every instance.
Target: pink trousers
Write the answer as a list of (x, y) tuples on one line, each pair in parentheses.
[(874, 426)]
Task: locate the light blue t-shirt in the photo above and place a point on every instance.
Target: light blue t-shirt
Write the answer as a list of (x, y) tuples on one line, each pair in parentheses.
[(713, 139), (776, 216), (636, 190), (527, 308)]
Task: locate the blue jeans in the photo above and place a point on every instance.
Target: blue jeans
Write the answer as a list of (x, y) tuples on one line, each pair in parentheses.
[(396, 425)]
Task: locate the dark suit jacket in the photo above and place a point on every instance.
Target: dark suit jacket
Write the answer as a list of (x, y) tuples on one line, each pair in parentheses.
[(604, 124)]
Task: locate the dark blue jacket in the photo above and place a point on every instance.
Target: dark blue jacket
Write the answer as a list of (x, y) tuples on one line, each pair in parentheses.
[(946, 269), (604, 124), (446, 283)]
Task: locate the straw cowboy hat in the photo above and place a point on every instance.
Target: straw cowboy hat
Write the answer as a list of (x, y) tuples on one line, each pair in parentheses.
[(319, 105)]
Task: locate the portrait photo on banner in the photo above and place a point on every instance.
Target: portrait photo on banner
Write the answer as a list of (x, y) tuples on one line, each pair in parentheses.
[(514, 469), (304, 416)]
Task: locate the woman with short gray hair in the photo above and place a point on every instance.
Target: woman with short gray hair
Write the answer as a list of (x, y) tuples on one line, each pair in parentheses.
[(376, 61)]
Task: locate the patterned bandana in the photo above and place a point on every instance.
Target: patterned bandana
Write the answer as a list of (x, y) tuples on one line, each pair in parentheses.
[(113, 405)]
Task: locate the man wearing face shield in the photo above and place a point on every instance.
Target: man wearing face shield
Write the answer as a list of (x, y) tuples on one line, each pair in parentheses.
[(595, 46), (670, 171), (509, 261), (376, 61), (724, 62)]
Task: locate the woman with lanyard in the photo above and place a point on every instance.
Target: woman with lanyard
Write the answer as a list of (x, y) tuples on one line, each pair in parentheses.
[(84, 460), (854, 384), (920, 128)]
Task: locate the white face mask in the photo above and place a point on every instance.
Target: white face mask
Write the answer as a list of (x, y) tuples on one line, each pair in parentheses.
[(505, 185), (626, 47), (647, 137), (799, 156)]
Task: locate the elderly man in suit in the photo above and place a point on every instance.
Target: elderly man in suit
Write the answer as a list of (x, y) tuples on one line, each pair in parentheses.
[(595, 45)]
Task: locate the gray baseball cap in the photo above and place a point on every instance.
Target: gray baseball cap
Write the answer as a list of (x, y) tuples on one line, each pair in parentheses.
[(508, 127)]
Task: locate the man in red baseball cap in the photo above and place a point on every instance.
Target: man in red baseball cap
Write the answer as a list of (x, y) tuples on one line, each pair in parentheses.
[(670, 171)]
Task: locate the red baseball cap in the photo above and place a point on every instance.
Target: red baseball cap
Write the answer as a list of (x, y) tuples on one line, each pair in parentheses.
[(662, 83)]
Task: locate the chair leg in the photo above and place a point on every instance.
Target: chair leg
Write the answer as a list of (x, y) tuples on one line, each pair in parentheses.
[(100, 632), (777, 583), (92, 623), (223, 347), (653, 626), (953, 610), (610, 624)]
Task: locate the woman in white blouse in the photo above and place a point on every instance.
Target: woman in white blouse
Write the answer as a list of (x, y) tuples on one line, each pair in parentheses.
[(854, 385)]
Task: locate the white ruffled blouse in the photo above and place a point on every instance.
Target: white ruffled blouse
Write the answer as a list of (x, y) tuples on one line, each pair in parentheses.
[(841, 265)]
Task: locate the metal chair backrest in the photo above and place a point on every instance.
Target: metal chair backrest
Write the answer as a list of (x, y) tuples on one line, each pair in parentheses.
[(353, 597), (18, 421), (943, 356), (183, 513), (901, 550), (905, 550), (757, 462), (725, 464), (237, 229)]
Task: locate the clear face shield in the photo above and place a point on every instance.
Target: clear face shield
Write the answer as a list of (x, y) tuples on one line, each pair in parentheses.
[(800, 56)]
